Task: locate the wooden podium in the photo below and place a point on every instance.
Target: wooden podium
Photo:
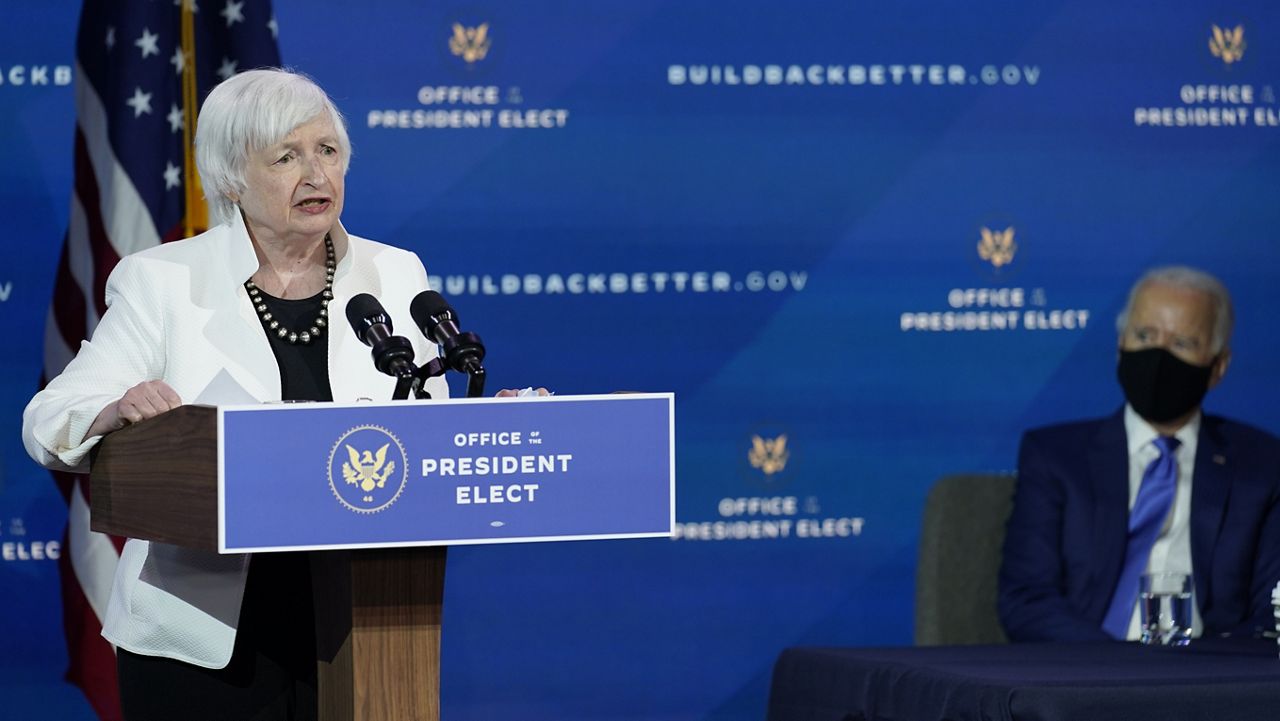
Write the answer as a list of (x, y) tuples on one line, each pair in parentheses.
[(563, 468), (378, 611)]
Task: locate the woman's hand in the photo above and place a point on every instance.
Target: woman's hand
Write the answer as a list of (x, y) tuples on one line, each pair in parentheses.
[(145, 400)]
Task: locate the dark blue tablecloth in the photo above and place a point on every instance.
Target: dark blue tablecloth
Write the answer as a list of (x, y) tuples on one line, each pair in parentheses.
[(1213, 680)]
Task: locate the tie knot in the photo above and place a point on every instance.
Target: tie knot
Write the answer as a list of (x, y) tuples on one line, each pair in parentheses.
[(1167, 444)]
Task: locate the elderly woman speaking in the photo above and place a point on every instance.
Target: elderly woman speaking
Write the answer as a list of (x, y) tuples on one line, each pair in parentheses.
[(241, 310)]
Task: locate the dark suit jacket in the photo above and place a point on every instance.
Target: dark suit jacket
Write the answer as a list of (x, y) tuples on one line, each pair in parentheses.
[(1066, 536)]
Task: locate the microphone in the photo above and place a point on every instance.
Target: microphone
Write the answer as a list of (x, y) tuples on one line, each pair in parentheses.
[(392, 354), (439, 323)]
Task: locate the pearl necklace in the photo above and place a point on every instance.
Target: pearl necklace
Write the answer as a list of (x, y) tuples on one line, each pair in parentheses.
[(317, 327)]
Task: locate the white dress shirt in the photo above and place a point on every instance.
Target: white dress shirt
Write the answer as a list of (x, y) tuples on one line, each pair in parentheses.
[(1172, 550)]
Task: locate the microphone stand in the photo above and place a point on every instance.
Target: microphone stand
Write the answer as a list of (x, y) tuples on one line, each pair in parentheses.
[(464, 352), (413, 378), (475, 382), (410, 380)]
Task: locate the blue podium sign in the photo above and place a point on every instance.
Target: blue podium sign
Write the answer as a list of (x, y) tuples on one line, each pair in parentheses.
[(424, 473)]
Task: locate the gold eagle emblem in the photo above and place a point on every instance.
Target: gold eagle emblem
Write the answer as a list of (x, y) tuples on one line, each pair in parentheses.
[(769, 454), (1227, 44), (367, 470), (997, 246), (470, 44)]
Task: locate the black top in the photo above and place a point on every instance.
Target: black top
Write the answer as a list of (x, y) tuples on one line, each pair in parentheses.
[(304, 369)]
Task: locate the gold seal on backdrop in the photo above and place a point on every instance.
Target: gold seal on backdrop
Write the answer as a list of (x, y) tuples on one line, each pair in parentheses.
[(1227, 45), (769, 455), (997, 246), (470, 44)]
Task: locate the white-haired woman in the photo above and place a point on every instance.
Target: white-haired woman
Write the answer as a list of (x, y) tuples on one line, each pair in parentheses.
[(244, 306)]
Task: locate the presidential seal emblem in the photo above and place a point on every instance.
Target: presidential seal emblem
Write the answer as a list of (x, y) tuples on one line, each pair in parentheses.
[(1227, 45), (470, 44), (768, 460), (769, 455), (997, 246), (368, 469)]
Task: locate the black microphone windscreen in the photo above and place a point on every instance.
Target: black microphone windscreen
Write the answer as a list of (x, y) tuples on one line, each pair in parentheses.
[(362, 307), (430, 310), (427, 304)]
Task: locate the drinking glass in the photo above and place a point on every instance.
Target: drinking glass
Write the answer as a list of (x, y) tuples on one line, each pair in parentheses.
[(1164, 600)]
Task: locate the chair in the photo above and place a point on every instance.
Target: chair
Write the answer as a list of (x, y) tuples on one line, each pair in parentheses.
[(960, 546)]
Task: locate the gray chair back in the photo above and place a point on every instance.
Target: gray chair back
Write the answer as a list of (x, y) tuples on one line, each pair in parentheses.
[(960, 546)]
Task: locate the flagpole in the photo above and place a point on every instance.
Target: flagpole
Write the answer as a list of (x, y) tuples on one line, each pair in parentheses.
[(195, 218)]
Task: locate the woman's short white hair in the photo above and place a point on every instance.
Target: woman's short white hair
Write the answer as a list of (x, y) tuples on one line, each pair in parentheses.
[(1188, 278), (246, 113)]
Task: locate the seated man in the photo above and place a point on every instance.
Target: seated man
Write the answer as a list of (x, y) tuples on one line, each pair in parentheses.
[(1082, 531)]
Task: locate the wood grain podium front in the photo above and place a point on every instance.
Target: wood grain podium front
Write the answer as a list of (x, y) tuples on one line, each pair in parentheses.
[(378, 611), (403, 480)]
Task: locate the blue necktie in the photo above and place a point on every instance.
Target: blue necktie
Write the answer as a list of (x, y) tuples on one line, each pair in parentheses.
[(1150, 508)]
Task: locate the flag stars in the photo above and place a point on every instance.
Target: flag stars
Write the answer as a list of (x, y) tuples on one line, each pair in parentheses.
[(172, 176), (111, 38), (179, 60), (188, 3), (148, 43), (227, 69), (140, 102), (233, 12), (175, 117), (274, 27)]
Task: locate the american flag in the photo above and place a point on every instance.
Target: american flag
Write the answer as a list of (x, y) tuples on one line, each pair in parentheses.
[(142, 68)]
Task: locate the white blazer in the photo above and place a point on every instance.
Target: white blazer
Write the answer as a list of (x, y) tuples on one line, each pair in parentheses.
[(179, 313)]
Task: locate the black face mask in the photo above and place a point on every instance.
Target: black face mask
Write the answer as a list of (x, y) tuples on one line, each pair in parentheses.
[(1161, 386)]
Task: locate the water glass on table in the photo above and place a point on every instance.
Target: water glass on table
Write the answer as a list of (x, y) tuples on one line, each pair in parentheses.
[(1164, 602), (1275, 603)]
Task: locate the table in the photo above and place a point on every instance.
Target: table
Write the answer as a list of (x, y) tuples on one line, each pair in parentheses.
[(1218, 679)]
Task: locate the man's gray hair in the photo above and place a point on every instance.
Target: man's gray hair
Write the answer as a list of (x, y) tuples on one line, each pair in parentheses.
[(1181, 276), (246, 113)]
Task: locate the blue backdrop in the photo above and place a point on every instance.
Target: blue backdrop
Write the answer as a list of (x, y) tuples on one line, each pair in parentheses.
[(895, 233)]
